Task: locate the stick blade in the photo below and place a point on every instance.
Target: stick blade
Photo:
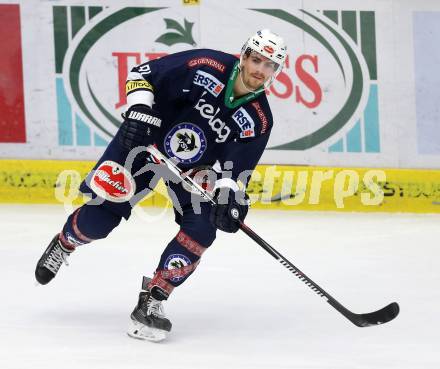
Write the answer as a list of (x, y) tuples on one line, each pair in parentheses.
[(381, 316)]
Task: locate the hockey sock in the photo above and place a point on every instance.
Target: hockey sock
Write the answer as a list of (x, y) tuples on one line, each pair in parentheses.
[(86, 224), (178, 261)]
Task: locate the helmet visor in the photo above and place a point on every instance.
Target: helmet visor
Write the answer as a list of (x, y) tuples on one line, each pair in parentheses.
[(268, 66)]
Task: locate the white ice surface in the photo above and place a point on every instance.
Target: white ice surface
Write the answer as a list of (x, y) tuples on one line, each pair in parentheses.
[(240, 309)]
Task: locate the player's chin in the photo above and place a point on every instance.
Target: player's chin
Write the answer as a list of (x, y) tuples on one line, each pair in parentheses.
[(256, 83)]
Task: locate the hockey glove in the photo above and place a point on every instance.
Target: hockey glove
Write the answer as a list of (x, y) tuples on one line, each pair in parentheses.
[(231, 208), (141, 126)]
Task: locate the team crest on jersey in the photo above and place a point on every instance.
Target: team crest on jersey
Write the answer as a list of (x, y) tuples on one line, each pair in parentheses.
[(176, 261), (209, 82), (113, 182), (245, 122), (186, 142)]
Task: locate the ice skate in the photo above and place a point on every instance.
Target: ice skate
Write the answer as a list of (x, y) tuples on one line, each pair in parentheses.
[(50, 262), (148, 321)]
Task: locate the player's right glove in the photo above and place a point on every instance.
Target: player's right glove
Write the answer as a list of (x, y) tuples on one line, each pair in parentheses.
[(141, 126), (231, 208)]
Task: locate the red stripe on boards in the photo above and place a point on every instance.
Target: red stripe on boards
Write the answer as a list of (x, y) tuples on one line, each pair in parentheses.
[(12, 118)]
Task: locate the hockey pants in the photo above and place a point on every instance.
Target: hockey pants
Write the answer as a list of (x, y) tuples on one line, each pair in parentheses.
[(114, 190)]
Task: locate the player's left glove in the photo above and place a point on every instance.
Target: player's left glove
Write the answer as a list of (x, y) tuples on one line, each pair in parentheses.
[(140, 127), (231, 208)]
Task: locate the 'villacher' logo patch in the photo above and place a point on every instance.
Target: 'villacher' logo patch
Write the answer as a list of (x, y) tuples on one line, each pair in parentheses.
[(113, 182), (186, 142)]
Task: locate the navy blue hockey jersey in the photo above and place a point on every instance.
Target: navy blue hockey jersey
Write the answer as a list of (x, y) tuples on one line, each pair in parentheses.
[(202, 121)]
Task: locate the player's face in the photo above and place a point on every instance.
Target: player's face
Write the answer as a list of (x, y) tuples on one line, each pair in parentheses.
[(257, 69)]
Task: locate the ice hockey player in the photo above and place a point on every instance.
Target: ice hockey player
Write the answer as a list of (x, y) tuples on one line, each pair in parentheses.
[(201, 108)]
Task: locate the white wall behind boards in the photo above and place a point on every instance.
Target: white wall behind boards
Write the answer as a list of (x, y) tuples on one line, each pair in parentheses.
[(360, 87)]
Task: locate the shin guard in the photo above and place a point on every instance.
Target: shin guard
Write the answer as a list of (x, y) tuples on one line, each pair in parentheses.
[(178, 261)]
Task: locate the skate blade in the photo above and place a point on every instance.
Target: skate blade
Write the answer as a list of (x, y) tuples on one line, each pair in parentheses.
[(142, 332)]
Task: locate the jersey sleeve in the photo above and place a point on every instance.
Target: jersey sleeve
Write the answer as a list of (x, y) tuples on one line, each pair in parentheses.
[(244, 156), (163, 75)]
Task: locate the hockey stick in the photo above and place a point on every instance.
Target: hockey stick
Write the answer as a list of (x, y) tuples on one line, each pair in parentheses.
[(381, 316)]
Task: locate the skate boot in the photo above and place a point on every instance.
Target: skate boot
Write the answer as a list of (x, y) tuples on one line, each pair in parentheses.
[(50, 262), (148, 321)]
